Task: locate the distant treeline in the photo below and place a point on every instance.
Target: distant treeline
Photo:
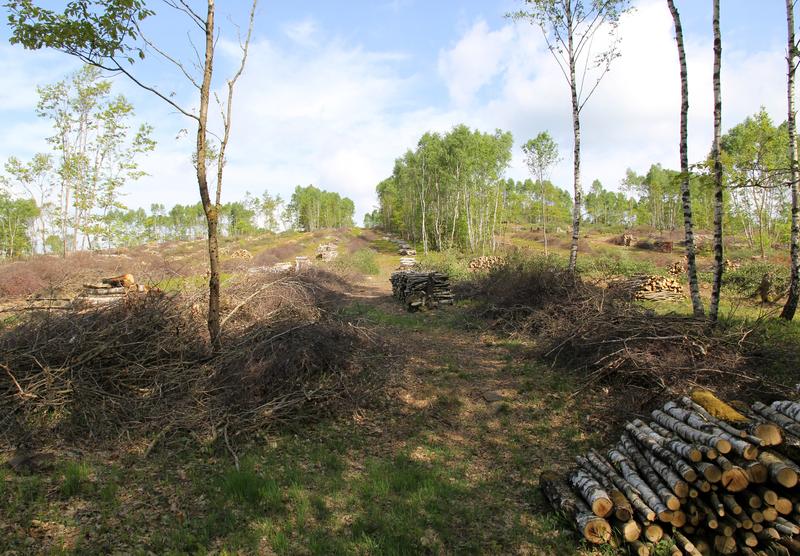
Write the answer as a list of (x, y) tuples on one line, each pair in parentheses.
[(309, 208), (451, 191)]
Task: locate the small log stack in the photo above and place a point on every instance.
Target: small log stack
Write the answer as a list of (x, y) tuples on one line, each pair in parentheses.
[(650, 287), (407, 263), (678, 268), (406, 250), (421, 290), (109, 291), (301, 263), (700, 474), (327, 252), (486, 262), (243, 254), (625, 240)]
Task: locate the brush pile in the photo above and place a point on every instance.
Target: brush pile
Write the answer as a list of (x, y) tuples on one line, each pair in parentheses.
[(142, 369), (650, 287), (700, 474), (486, 262), (421, 290)]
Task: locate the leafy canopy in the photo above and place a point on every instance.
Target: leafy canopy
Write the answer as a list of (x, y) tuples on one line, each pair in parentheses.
[(92, 30)]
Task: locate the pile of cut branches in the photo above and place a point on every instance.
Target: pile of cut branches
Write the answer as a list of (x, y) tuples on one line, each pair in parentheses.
[(143, 367)]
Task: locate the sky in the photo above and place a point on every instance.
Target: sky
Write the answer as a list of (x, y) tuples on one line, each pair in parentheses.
[(334, 91)]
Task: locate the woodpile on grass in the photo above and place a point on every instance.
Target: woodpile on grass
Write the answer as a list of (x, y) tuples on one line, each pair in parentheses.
[(650, 287), (407, 263), (406, 250), (698, 474), (243, 254), (327, 251), (626, 240), (421, 290), (486, 262), (678, 268), (109, 290)]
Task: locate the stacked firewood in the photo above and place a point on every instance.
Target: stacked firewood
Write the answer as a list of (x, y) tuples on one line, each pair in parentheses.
[(406, 250), (421, 290), (625, 239), (700, 474), (109, 290), (650, 287), (407, 263), (327, 251), (242, 254), (677, 268), (486, 262)]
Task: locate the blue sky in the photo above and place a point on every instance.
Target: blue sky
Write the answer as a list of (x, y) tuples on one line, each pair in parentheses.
[(334, 91)]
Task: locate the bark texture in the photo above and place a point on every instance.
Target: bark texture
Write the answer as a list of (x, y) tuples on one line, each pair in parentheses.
[(686, 196), (790, 307), (716, 286)]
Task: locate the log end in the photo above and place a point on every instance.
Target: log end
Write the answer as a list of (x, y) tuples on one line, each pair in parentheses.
[(601, 507), (723, 446), (787, 477), (596, 530), (735, 479)]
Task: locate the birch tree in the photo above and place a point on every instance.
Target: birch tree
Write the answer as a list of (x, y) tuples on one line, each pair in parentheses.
[(716, 156), (541, 154), (686, 196), (570, 28), (790, 307), (107, 34)]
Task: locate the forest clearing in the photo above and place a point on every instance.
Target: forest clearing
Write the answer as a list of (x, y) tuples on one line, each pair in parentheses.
[(199, 355)]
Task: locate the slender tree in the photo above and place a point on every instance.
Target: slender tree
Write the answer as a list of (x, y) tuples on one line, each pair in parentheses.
[(569, 28), (716, 156), (791, 59), (541, 154), (686, 198), (107, 34)]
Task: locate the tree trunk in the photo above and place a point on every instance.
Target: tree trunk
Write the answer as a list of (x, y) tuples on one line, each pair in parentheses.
[(544, 215), (209, 208), (686, 199), (794, 286), (716, 287), (576, 154)]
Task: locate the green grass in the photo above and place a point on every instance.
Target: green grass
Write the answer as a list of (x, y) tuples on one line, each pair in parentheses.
[(75, 478)]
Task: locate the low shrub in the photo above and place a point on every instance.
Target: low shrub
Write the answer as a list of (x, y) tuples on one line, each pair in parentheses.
[(363, 261), (747, 279)]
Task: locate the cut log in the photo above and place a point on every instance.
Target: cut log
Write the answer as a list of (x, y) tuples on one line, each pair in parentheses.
[(623, 510), (779, 470), (725, 441), (788, 408), (731, 505), (727, 427), (716, 407), (652, 442), (783, 505), (676, 445), (734, 478), (592, 492), (594, 529), (628, 472), (670, 477), (786, 423), (638, 548), (756, 472), (645, 512), (748, 539), (650, 475), (725, 545), (629, 530), (685, 544), (653, 532), (689, 433), (711, 472)]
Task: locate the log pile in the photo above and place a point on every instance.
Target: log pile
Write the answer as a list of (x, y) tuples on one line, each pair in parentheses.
[(486, 262), (406, 250), (650, 287), (301, 263), (421, 290), (678, 268), (625, 240), (407, 263), (327, 251), (704, 476), (243, 254), (108, 291)]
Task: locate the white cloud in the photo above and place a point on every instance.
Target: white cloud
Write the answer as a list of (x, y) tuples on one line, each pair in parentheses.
[(301, 32), (475, 59)]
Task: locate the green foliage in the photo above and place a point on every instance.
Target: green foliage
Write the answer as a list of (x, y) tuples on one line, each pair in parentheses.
[(449, 192), (451, 262), (92, 30), (75, 478), (16, 218), (311, 208), (616, 264), (746, 280)]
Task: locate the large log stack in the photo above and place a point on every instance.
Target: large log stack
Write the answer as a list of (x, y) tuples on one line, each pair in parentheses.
[(109, 291), (421, 290), (651, 287), (709, 478), (327, 251)]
